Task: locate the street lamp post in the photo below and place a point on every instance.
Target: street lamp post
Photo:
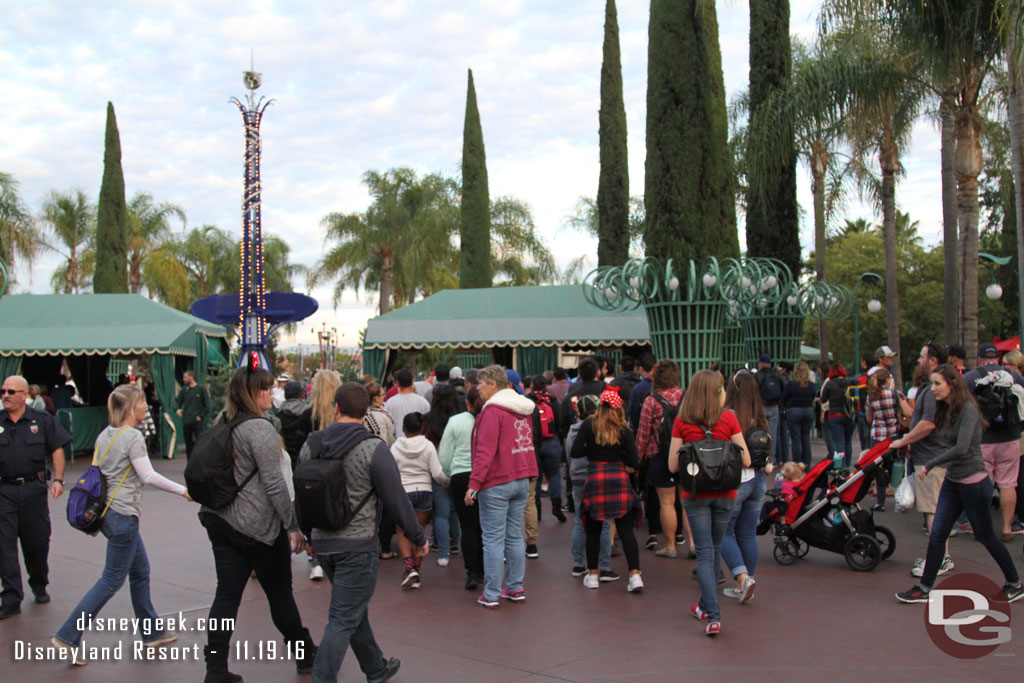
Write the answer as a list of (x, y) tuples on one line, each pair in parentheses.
[(870, 278)]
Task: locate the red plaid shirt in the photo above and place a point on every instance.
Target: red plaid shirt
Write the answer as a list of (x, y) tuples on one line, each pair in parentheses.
[(650, 421), (885, 422)]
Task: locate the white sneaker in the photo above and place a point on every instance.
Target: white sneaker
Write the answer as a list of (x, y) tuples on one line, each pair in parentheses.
[(732, 593), (636, 584), (947, 566), (591, 581), (65, 651), (316, 573), (746, 589), (442, 562)]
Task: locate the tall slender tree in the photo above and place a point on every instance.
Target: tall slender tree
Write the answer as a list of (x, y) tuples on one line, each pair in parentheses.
[(112, 220), (475, 227), (1013, 30), (613, 181), (772, 219), (688, 184)]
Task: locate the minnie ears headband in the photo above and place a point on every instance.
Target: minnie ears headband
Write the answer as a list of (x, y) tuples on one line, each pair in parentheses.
[(610, 396)]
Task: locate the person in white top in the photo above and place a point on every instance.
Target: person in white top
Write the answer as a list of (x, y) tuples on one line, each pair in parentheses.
[(126, 465), (417, 462), (405, 401)]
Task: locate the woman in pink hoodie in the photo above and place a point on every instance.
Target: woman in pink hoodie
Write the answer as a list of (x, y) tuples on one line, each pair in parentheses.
[(503, 462)]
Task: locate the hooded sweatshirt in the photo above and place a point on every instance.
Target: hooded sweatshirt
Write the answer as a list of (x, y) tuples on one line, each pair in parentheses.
[(295, 425), (502, 446), (369, 467), (417, 461)]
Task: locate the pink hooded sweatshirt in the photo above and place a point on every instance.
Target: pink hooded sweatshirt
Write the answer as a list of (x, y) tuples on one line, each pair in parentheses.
[(502, 443)]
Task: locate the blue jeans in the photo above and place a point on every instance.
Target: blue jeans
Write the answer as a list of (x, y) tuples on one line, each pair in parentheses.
[(550, 464), (709, 518), (863, 431), (801, 422), (446, 522), (842, 437), (771, 413), (126, 558), (502, 511), (579, 536), (783, 454), (739, 548), (353, 577), (975, 500)]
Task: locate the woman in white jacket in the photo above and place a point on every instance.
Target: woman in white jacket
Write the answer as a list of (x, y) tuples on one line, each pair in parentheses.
[(417, 462)]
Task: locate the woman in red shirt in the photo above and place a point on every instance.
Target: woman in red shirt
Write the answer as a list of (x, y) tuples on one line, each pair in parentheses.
[(709, 513)]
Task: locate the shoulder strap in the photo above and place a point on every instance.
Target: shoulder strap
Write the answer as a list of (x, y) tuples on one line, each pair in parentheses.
[(361, 439), (109, 446), (231, 432), (123, 476)]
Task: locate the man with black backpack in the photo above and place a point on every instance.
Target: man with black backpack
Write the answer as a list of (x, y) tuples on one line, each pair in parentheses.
[(1000, 441), (770, 385), (348, 500)]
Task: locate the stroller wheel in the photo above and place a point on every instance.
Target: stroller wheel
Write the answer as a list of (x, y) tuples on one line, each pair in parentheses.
[(886, 540), (863, 553), (801, 547), (785, 552)]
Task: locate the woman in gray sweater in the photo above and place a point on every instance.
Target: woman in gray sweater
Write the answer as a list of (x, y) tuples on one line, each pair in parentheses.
[(967, 487), (254, 532)]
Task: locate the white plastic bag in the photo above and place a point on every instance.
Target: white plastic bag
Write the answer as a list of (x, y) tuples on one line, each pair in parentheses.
[(905, 494)]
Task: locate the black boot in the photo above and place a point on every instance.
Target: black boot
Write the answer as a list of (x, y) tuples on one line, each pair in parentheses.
[(556, 509), (304, 664), (217, 667)]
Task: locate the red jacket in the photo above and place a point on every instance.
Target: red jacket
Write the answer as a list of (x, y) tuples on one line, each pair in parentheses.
[(502, 443)]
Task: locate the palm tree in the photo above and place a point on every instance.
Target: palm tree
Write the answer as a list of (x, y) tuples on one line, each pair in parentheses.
[(1012, 19), (70, 221), (958, 41), (813, 106), (18, 236), (407, 226), (148, 226), (517, 251), (585, 219), (184, 268)]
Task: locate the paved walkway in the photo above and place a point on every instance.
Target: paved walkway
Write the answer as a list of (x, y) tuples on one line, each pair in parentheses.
[(814, 620)]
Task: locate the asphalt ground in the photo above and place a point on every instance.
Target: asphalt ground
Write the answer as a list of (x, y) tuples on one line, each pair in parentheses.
[(814, 620)]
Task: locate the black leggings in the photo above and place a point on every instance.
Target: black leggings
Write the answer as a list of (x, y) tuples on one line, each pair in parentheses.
[(624, 525)]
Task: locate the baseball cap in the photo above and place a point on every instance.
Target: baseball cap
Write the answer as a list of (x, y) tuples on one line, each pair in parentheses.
[(293, 390), (765, 358), (284, 377), (988, 350), (455, 372), (884, 352), (515, 380)]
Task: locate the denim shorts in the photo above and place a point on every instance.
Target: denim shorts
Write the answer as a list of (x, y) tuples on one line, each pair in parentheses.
[(422, 501)]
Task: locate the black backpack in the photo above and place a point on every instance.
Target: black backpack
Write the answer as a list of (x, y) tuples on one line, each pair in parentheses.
[(210, 472), (710, 465), (321, 493), (668, 418), (769, 384), (998, 405), (759, 444)]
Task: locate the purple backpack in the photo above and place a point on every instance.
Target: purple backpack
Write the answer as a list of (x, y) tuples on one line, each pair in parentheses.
[(87, 502)]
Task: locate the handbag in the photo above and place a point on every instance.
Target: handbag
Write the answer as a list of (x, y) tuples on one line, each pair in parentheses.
[(710, 465)]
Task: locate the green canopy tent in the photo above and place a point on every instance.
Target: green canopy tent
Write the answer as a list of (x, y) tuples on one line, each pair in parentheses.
[(41, 331), (520, 327)]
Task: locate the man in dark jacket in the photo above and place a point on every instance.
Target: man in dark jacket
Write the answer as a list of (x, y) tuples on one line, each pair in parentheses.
[(627, 378), (351, 556), (295, 420), (588, 383)]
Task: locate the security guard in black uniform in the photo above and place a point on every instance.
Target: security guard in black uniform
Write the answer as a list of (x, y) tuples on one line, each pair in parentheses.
[(27, 437)]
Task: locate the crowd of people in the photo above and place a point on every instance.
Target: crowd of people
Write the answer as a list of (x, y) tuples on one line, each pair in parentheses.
[(471, 455)]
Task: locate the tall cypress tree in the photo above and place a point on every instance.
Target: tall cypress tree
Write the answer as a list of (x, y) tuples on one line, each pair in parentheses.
[(475, 228), (689, 184), (613, 182), (111, 223), (772, 223)]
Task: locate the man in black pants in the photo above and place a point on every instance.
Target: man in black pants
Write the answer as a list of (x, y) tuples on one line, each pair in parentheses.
[(193, 406), (27, 438)]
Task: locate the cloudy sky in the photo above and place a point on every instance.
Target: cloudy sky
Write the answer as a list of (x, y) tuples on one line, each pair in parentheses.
[(358, 85)]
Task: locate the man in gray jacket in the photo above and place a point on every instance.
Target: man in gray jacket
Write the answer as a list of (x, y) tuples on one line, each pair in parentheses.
[(350, 556)]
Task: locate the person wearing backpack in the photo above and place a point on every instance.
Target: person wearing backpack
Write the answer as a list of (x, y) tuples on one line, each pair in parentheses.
[(350, 555), (739, 547), (547, 442), (654, 435), (1000, 440), (770, 386), (699, 413), (255, 530), (126, 466)]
